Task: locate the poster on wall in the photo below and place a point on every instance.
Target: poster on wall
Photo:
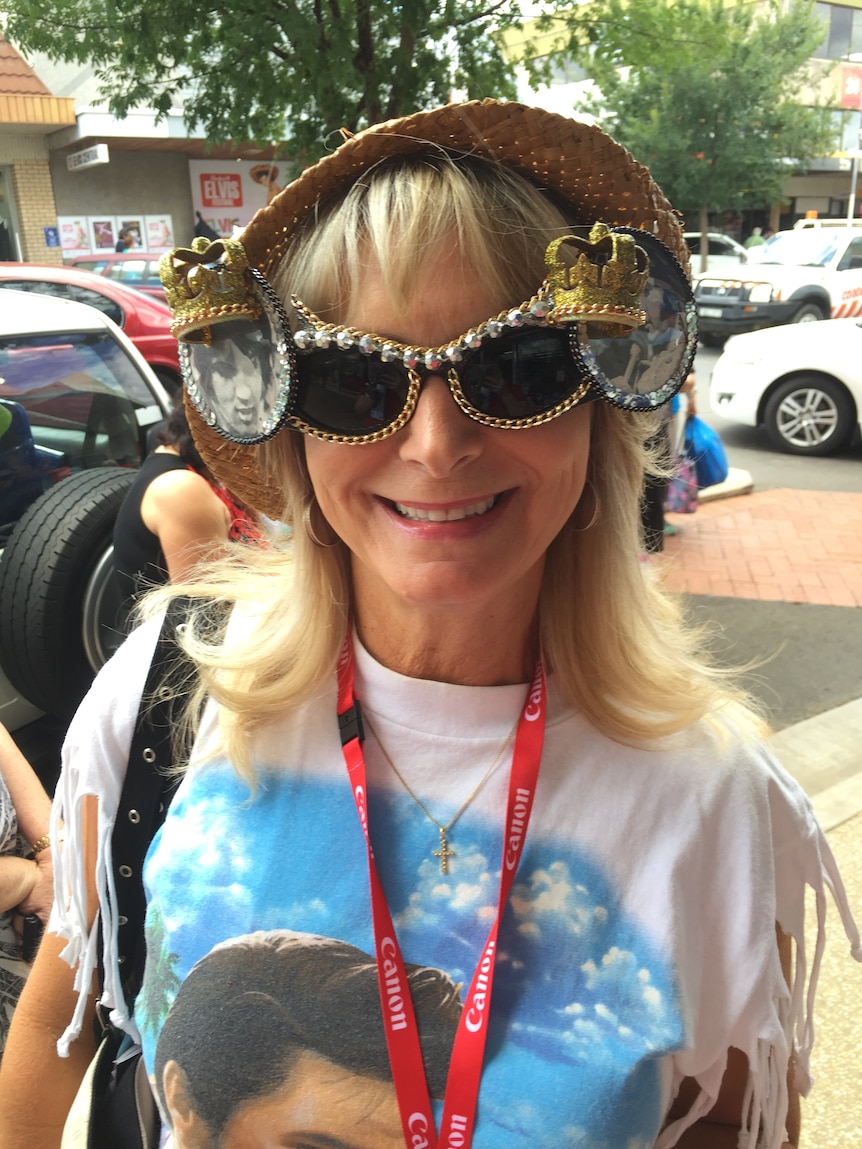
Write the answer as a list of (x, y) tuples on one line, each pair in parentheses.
[(227, 193), (158, 233), (103, 232), (74, 235)]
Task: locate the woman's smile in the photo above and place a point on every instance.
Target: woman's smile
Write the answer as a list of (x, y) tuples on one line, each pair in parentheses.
[(421, 513)]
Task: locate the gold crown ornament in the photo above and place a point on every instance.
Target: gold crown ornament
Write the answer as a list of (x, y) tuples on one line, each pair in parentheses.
[(205, 284), (605, 283)]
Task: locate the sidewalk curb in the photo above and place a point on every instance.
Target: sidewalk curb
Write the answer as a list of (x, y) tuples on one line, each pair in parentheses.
[(738, 482), (823, 755)]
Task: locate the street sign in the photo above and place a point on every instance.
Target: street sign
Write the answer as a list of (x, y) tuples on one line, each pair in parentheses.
[(88, 157)]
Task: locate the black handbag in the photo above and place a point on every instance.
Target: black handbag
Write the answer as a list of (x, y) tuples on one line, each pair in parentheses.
[(115, 1107)]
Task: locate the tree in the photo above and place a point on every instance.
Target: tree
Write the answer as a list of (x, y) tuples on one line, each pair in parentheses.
[(706, 94), (282, 70)]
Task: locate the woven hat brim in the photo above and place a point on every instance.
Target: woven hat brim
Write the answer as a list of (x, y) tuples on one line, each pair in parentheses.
[(578, 162)]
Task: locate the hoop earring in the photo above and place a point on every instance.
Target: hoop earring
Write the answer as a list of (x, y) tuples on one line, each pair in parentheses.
[(309, 529), (594, 518)]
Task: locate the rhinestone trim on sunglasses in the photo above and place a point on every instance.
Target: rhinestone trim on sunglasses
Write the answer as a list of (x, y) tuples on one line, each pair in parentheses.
[(315, 332)]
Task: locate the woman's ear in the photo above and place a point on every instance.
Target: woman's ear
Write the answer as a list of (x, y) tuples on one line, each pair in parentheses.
[(190, 1131)]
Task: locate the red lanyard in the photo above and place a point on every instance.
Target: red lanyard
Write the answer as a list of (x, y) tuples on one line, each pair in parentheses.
[(399, 1021)]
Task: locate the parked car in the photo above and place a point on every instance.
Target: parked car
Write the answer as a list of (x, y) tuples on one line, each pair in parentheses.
[(797, 276), (76, 402), (138, 269), (803, 384), (723, 253), (144, 318), (820, 222)]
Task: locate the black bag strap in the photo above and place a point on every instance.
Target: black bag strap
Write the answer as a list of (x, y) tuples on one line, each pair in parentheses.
[(150, 783)]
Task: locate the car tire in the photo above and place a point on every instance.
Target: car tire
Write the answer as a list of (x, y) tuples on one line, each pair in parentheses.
[(713, 340), (809, 415), (59, 600), (809, 313)]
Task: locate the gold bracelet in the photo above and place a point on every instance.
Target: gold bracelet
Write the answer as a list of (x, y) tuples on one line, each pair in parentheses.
[(43, 844)]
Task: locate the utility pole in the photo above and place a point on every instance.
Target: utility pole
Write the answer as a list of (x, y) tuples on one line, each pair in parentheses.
[(854, 172)]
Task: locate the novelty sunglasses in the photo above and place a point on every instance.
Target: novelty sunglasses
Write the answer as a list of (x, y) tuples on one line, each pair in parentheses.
[(619, 325)]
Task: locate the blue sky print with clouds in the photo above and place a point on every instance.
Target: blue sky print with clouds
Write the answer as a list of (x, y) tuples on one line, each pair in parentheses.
[(583, 1003)]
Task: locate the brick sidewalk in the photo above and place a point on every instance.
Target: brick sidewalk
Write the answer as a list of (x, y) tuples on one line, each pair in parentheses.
[(786, 545)]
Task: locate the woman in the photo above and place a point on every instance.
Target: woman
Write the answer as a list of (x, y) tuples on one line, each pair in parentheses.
[(607, 847), (174, 515), (26, 873)]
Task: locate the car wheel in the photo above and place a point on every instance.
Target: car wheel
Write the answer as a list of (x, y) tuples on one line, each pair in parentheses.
[(60, 606), (809, 416), (809, 313), (713, 340)]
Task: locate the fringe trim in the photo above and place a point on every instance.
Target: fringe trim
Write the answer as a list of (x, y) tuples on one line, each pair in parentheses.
[(766, 1096), (70, 914)]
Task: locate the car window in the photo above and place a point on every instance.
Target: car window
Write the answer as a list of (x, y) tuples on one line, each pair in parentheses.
[(851, 260), (808, 246), (97, 266), (693, 242), (128, 271), (69, 291), (80, 393), (719, 247)]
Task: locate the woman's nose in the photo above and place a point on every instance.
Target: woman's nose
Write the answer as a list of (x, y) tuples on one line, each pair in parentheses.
[(438, 434)]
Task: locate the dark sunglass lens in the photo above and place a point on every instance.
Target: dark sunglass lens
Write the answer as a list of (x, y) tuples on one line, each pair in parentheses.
[(344, 392), (520, 374)]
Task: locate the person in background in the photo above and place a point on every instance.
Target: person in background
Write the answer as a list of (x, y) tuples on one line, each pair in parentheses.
[(756, 238), (174, 515), (666, 447), (26, 871), (451, 723), (126, 240), (202, 228)]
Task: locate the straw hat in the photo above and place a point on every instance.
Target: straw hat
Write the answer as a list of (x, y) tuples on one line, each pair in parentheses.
[(581, 164)]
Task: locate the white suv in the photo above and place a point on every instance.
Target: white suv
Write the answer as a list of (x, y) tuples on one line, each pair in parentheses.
[(76, 402), (797, 276)]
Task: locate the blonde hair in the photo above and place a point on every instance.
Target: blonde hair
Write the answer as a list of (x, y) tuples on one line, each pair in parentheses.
[(619, 647)]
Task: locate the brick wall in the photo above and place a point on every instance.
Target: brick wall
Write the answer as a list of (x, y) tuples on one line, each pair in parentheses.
[(34, 196)]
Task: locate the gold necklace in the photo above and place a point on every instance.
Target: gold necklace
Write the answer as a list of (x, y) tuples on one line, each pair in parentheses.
[(444, 853)]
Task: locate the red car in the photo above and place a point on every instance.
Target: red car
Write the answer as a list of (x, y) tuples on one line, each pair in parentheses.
[(144, 318), (138, 269)]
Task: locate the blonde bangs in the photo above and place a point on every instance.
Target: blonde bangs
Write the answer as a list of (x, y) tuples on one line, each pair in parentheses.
[(399, 216)]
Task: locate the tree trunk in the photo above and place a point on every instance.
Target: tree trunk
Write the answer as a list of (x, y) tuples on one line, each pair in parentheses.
[(704, 238)]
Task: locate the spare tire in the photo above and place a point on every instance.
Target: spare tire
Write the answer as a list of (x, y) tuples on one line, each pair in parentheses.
[(59, 603)]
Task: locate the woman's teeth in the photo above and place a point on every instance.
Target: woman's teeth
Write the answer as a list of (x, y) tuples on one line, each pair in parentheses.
[(444, 516)]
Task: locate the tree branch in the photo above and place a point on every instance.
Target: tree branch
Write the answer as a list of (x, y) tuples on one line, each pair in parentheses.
[(463, 23)]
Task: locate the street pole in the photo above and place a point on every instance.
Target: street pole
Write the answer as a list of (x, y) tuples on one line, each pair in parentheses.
[(854, 172)]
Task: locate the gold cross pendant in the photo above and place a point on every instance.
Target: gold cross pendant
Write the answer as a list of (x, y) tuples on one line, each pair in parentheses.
[(444, 853)]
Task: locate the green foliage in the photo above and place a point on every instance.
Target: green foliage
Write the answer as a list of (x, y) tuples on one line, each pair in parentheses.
[(291, 70), (705, 93)]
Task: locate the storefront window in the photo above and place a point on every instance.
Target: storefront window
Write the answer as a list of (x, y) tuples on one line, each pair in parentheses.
[(9, 246)]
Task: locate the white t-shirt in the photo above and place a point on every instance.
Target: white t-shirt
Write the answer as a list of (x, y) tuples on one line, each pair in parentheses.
[(638, 944)]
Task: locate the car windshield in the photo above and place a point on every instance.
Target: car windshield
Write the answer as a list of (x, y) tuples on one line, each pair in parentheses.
[(76, 397), (812, 247)]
